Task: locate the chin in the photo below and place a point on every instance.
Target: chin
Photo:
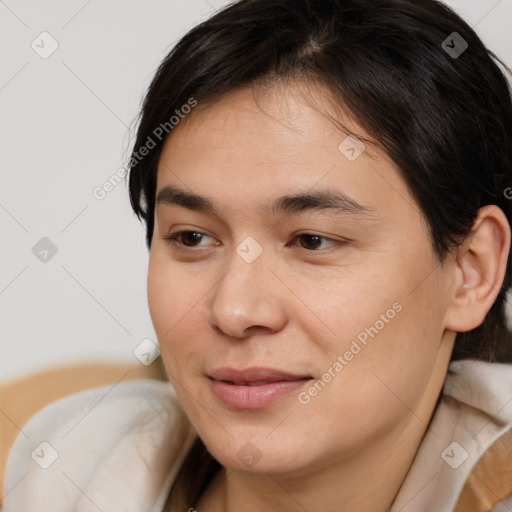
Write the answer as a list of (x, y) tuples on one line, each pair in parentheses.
[(260, 456)]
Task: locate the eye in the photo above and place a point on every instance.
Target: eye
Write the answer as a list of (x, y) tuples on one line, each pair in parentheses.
[(309, 241), (186, 238), (314, 242)]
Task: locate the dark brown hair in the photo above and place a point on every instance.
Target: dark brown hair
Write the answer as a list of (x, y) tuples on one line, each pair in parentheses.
[(445, 119)]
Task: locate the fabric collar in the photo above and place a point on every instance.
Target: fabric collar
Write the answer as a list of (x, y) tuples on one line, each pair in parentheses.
[(475, 409)]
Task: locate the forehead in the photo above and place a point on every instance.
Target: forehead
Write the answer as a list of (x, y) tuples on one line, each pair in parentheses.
[(283, 119), (257, 143)]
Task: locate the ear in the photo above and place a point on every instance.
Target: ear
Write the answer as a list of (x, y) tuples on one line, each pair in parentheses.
[(480, 267)]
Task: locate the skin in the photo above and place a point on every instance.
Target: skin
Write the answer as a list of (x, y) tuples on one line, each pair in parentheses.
[(297, 308)]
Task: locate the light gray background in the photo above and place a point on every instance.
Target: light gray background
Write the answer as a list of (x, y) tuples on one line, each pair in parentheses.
[(64, 131)]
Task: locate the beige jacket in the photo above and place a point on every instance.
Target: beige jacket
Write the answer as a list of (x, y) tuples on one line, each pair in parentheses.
[(118, 449)]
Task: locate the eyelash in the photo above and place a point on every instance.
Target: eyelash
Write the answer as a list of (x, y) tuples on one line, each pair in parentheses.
[(173, 239)]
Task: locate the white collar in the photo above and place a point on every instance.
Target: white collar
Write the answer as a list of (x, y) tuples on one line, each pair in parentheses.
[(475, 409)]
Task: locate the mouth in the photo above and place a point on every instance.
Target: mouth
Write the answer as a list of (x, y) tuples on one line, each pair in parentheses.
[(254, 383), (254, 388), (254, 375)]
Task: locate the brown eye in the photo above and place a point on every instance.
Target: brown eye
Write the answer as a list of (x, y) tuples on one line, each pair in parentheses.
[(312, 242), (190, 238), (186, 239)]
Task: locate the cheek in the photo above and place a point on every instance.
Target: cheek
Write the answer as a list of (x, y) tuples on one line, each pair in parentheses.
[(387, 334), (171, 296), (354, 306), (389, 364), (174, 306), (161, 299)]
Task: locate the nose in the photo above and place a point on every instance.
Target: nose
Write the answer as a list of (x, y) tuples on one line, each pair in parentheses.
[(247, 299)]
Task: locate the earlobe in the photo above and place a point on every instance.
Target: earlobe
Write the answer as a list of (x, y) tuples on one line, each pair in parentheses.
[(480, 269)]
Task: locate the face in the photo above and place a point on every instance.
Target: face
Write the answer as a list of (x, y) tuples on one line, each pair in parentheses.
[(298, 303)]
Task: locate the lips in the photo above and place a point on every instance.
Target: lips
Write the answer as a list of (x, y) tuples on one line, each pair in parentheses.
[(256, 383), (254, 376), (253, 388)]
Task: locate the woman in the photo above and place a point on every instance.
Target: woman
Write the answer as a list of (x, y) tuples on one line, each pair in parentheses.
[(325, 186)]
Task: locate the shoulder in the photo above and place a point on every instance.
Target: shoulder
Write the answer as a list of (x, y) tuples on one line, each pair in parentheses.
[(490, 482), (465, 459), (107, 445), (487, 389)]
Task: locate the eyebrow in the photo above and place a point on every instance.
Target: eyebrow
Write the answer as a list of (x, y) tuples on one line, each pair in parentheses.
[(323, 200)]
